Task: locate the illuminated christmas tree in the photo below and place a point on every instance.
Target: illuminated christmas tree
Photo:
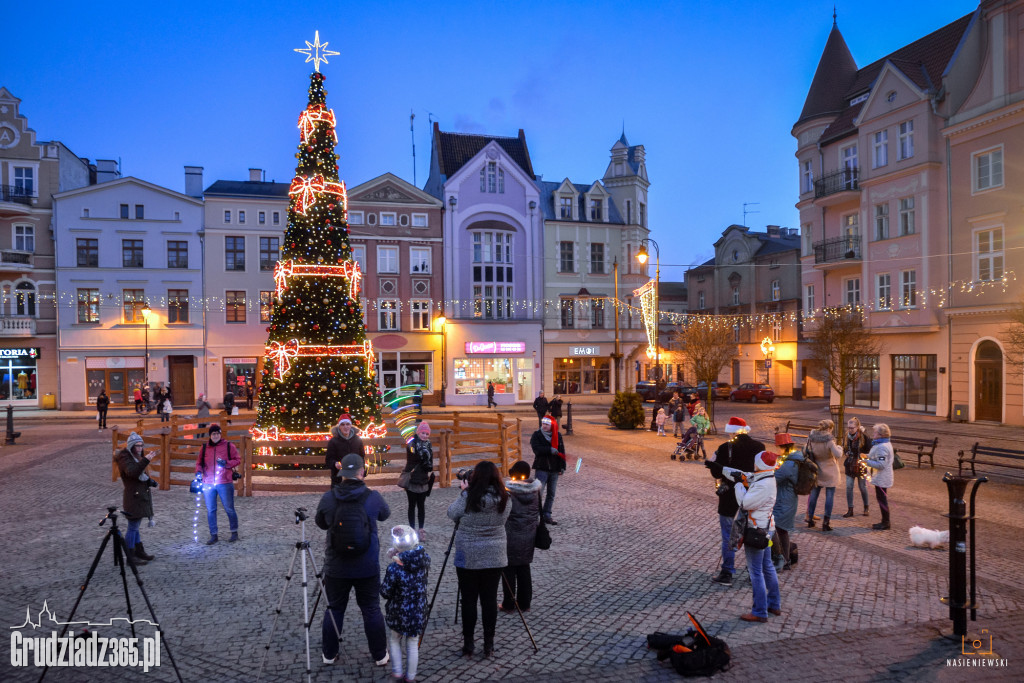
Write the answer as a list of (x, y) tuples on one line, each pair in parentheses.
[(319, 364)]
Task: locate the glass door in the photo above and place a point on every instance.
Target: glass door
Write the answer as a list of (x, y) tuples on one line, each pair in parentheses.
[(524, 379)]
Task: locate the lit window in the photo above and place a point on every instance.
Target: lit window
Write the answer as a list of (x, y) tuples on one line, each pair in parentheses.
[(776, 290), (908, 288), (387, 310), (88, 305), (883, 291), (234, 306), (177, 305), (420, 315)]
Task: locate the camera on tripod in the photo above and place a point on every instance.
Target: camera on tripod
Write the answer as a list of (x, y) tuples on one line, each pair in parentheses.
[(300, 515), (464, 474)]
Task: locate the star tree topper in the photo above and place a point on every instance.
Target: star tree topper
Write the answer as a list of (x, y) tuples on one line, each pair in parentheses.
[(316, 52)]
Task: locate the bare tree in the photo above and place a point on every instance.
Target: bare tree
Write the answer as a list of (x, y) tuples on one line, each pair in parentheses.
[(837, 340), (705, 347), (1015, 334)]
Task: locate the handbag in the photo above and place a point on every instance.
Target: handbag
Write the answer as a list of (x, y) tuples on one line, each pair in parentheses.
[(543, 538), (404, 478), (738, 531), (851, 465), (897, 461), (430, 484), (756, 537)]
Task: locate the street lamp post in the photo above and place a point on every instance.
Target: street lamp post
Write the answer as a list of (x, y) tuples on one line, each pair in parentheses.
[(767, 348), (146, 310), (641, 256), (441, 320)]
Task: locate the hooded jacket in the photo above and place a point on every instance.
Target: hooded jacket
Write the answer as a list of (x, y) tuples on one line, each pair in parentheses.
[(741, 457), (377, 510), (480, 542), (826, 455), (521, 525), (338, 447), (757, 499), (138, 501), (206, 461), (785, 497), (404, 590)]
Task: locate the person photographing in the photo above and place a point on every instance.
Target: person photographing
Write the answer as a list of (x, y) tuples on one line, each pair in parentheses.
[(215, 464), (138, 499)]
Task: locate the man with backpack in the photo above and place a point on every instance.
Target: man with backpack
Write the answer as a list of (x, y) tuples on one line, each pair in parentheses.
[(350, 512)]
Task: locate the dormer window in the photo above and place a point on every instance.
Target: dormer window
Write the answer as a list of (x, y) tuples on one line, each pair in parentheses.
[(595, 209), (565, 208)]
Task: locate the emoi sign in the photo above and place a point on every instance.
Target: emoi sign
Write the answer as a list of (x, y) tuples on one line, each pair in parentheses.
[(495, 347)]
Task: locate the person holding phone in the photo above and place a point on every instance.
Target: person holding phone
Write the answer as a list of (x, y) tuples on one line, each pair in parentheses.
[(217, 459)]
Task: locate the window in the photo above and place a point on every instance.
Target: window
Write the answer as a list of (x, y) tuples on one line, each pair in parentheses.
[(234, 306), (852, 293), (387, 259), (131, 253), (88, 305), (566, 262), (387, 219), (908, 288), (914, 382), (277, 218), (776, 327), (906, 140), (641, 213), (359, 256), (850, 227), (234, 253), (241, 216), (880, 150), (776, 290), (883, 289), (881, 221), (420, 315), (809, 299), (735, 296), (140, 211), (25, 299), (88, 252), (629, 212), (25, 237), (700, 300), (355, 217), (849, 157), (988, 170), (388, 314), (270, 252), (989, 248), (565, 208), (133, 300), (266, 306), (419, 220), (865, 391), (736, 334), (492, 178), (808, 176), (177, 254), (124, 211), (501, 181), (597, 258), (808, 237), (227, 216), (568, 311), (419, 259), (24, 181), (177, 305), (492, 275), (595, 209), (597, 313), (262, 217), (907, 216)]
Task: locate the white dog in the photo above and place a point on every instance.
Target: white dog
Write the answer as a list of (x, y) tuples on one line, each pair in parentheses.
[(928, 538)]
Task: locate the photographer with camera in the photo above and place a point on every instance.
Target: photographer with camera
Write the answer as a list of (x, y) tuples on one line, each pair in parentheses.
[(548, 461), (480, 548), (215, 464), (344, 440), (138, 500), (350, 512), (755, 496)]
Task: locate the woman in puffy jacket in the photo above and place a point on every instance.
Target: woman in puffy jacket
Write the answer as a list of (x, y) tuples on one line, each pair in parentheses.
[(521, 531), (215, 463), (419, 463), (755, 494), (880, 459), (826, 454), (784, 512)]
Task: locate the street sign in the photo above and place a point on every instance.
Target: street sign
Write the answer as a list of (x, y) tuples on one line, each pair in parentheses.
[(768, 363), (637, 367)]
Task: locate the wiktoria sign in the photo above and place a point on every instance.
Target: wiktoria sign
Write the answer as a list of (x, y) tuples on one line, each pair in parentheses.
[(495, 347)]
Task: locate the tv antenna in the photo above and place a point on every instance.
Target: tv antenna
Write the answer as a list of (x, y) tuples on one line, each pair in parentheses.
[(745, 211)]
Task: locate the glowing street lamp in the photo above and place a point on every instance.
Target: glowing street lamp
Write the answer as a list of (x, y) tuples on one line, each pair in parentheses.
[(642, 256), (767, 348), (441, 321)]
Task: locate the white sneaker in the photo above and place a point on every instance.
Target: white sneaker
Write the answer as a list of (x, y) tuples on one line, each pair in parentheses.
[(328, 661), (382, 662)]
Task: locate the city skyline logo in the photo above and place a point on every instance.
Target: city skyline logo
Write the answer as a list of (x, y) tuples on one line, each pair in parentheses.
[(48, 614)]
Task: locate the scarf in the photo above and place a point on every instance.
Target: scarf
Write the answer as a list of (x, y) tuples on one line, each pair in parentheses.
[(881, 439), (553, 438)]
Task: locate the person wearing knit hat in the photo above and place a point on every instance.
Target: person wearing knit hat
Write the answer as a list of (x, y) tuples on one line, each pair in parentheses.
[(548, 461), (345, 439), (419, 465), (138, 499), (755, 496), (215, 465), (737, 453)]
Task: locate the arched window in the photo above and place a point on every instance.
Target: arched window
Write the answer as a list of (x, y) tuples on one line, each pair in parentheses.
[(25, 299)]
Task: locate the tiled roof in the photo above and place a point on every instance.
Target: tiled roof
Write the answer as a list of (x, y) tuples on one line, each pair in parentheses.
[(248, 188), (547, 202), (775, 245), (455, 149)]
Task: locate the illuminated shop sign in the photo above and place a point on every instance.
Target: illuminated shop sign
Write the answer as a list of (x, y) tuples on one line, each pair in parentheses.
[(495, 347), (584, 350), (19, 353)]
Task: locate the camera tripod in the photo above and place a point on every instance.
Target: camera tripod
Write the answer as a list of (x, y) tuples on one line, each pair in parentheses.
[(121, 554), (301, 549)]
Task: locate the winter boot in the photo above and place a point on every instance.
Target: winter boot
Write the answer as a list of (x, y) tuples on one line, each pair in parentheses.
[(884, 524), (825, 526), (810, 523), (141, 552), (213, 539), (849, 513), (724, 578), (135, 557), (234, 537)]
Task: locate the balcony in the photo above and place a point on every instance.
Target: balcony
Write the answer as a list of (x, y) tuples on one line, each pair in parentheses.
[(837, 250), (17, 327), (17, 260), (844, 180), (15, 200)]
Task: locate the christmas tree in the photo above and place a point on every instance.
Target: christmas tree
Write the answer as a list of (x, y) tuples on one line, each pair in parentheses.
[(319, 364)]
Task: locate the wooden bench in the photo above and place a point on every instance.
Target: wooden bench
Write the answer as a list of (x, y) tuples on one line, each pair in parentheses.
[(925, 447), (1003, 458), (796, 429)]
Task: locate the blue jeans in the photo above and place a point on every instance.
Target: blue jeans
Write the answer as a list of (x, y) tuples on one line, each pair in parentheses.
[(863, 485), (132, 537), (812, 501), (550, 482), (165, 417), (763, 580), (226, 492), (368, 599), (728, 552)]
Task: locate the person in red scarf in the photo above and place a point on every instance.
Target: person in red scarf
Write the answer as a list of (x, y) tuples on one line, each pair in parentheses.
[(548, 461)]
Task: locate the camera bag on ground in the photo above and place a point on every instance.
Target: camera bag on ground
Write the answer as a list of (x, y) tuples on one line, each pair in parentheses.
[(693, 653), (350, 531), (806, 475)]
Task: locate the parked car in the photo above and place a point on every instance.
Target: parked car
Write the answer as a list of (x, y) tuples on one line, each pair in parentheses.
[(721, 390), (649, 391), (752, 392)]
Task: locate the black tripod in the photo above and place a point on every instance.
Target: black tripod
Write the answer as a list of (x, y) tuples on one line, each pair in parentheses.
[(120, 554), (301, 549)]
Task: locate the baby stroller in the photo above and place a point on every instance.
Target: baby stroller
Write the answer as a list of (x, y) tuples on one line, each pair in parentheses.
[(692, 443)]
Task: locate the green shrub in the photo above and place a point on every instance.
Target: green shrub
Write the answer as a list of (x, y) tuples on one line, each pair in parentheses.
[(627, 411)]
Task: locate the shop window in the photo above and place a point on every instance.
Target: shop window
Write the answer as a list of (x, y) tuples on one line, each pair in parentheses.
[(18, 375), (914, 383), (473, 374), (864, 392)]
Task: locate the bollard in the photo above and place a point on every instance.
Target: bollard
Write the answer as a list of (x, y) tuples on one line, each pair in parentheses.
[(568, 418), (11, 434), (958, 518)]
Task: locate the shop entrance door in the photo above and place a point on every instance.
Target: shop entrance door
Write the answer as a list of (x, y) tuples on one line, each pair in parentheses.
[(988, 382), (183, 387)]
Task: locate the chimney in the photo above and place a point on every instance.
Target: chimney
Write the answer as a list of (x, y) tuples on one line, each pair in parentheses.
[(106, 170), (194, 181), (255, 175), (773, 231)]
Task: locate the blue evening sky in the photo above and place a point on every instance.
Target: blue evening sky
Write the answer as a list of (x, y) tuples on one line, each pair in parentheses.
[(711, 88)]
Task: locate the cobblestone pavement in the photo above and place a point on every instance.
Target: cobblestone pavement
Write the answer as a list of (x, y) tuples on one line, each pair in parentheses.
[(635, 548)]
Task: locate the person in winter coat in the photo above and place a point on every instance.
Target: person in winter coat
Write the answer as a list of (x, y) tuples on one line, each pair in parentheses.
[(419, 462), (826, 453), (138, 501), (540, 406), (490, 394), (548, 461), (660, 420), (404, 590), (784, 512), (102, 403), (481, 549), (555, 407), (158, 399), (755, 495), (361, 572), (229, 402), (202, 410), (677, 412), (344, 440), (521, 531), (880, 459), (739, 454), (250, 394), (137, 397), (856, 444), (215, 463)]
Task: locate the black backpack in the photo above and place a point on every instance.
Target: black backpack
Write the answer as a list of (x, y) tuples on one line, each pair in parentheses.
[(693, 653), (806, 474), (350, 534)]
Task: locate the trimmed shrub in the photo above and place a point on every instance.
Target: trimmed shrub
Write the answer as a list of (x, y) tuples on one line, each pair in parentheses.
[(627, 411)]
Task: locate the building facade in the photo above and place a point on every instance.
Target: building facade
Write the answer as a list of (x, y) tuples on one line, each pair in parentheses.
[(138, 297)]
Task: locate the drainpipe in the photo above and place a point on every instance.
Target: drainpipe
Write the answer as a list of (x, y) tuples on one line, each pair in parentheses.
[(949, 278)]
